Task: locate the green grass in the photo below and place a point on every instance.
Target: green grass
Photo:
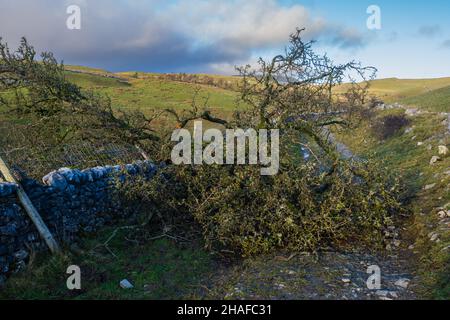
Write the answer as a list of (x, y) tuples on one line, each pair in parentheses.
[(147, 92), (437, 100), (159, 269), (90, 81), (152, 93), (393, 90)]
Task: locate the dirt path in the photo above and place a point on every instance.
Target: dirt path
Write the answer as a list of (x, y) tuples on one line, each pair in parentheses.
[(325, 276)]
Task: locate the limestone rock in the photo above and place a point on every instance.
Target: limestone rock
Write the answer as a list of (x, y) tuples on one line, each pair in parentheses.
[(55, 180), (21, 255), (125, 284), (382, 293), (429, 186), (434, 236), (434, 159), (402, 283), (411, 112), (7, 188), (443, 150), (442, 214)]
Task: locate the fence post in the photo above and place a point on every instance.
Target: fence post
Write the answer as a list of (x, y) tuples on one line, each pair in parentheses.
[(31, 210)]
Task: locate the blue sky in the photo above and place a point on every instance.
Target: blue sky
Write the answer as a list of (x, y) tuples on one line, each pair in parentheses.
[(411, 43), (212, 36)]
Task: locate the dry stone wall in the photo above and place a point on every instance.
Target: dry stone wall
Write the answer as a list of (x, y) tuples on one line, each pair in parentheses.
[(72, 203)]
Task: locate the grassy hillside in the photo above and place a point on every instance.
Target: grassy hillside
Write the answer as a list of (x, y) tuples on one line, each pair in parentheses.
[(145, 91), (155, 93), (86, 69), (393, 89), (427, 94), (409, 152), (93, 81), (150, 90), (437, 100)]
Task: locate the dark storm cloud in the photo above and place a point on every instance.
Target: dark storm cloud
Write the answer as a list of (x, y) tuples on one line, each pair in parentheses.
[(163, 36)]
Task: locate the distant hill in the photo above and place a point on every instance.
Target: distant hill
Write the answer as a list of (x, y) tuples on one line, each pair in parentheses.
[(436, 100), (156, 90), (94, 81), (144, 91), (86, 69), (429, 94), (394, 89), (92, 78)]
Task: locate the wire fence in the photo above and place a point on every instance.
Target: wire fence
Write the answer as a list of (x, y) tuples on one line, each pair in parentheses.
[(35, 158)]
